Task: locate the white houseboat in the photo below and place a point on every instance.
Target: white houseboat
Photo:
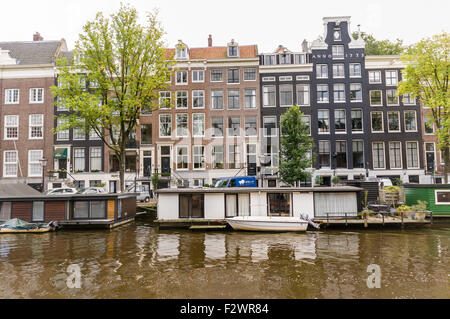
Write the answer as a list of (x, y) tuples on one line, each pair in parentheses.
[(185, 206)]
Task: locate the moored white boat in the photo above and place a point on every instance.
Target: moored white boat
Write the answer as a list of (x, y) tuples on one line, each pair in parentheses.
[(273, 224)]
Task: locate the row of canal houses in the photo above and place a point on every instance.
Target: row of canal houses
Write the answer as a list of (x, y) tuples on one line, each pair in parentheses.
[(227, 101)]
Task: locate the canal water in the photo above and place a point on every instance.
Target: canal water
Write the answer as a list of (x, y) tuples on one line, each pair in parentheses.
[(140, 261)]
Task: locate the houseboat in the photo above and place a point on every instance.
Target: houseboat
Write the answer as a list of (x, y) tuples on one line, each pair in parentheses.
[(184, 207), (70, 211)]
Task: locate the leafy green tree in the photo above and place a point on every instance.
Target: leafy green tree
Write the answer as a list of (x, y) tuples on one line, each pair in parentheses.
[(118, 68), (380, 47), (426, 76), (295, 147)]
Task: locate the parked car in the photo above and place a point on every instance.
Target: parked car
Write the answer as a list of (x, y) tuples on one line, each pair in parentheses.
[(240, 181), (61, 191), (143, 192), (92, 190)]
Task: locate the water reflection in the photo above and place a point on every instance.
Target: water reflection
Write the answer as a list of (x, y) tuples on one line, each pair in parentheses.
[(138, 261)]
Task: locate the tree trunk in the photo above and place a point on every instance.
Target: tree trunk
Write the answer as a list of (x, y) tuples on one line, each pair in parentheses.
[(122, 163), (446, 157)]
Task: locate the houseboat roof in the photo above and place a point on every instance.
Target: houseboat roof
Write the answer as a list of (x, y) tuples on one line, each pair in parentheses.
[(17, 190), (259, 189)]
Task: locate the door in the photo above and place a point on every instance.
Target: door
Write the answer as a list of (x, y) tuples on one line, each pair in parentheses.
[(147, 167), (430, 162), (165, 165), (113, 186), (62, 164), (191, 206)]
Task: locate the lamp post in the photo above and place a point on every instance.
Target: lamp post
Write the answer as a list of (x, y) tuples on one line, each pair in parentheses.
[(43, 162)]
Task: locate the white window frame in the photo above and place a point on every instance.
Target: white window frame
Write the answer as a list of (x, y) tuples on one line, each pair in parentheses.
[(194, 122), (239, 76), (401, 155), (389, 83), (418, 155), (399, 122), (75, 168), (268, 79), (275, 129), (387, 98), (381, 97), (223, 99), (409, 98), (245, 122), (211, 77), (382, 122), (187, 155), (11, 93), (194, 147), (307, 92), (273, 58), (60, 134), (170, 123), (436, 202), (319, 66), (79, 129), (10, 163), (163, 98), (291, 97), (187, 77), (384, 156), (334, 91), (361, 89), (256, 74), (374, 78), (337, 57), (343, 70), (31, 126), (177, 122), (32, 94), (329, 124), (202, 97), (90, 158), (253, 98), (345, 122), (8, 125), (362, 121), (328, 91), (350, 68), (404, 120), (274, 100), (36, 163), (425, 120), (178, 96), (196, 73)]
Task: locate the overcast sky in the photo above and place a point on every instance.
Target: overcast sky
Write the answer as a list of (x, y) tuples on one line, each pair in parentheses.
[(266, 23)]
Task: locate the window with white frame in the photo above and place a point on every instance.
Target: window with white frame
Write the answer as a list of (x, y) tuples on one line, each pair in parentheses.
[(358, 153), (391, 78), (182, 158), (181, 52), (164, 99), (339, 121), (341, 154), (181, 77), (34, 165), (393, 122), (269, 59), (12, 96), (339, 92), (62, 135), (79, 133), (299, 58), (79, 159), (165, 125), (338, 70), (374, 77), (324, 154), (377, 122), (412, 154), (198, 99), (233, 76), (307, 120), (233, 100), (217, 157), (409, 99), (357, 122), (233, 156), (216, 76), (391, 97), (233, 51), (182, 99), (375, 98), (60, 106), (271, 155), (285, 59), (285, 78), (199, 157), (322, 93), (198, 124), (93, 136), (250, 98), (10, 161), (36, 95), (217, 126), (95, 160), (198, 76), (322, 71), (36, 126), (378, 155), (323, 118), (355, 70), (303, 98), (442, 197), (217, 99), (182, 125), (286, 95), (270, 126), (11, 127), (251, 126), (355, 92), (428, 124), (251, 153), (250, 74), (268, 79), (395, 155), (410, 121), (269, 95), (234, 126), (338, 51)]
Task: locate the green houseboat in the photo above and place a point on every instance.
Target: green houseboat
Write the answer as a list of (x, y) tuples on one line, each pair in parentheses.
[(437, 196)]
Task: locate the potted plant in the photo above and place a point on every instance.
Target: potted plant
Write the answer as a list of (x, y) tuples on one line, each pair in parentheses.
[(406, 211), (420, 209), (318, 181), (335, 180)]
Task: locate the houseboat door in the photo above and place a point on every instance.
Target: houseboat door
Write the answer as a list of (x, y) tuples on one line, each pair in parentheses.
[(191, 206)]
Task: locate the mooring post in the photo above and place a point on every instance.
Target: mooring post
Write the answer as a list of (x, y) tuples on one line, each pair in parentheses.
[(431, 218), (328, 221), (383, 218), (402, 218), (345, 219), (365, 220)]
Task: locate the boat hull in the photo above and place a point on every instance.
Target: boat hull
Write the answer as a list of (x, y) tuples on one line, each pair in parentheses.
[(269, 224), (32, 231)]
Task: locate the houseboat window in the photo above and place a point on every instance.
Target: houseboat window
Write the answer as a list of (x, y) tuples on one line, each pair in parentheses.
[(38, 211), (237, 205), (191, 206), (279, 204), (5, 211), (443, 197), (119, 208), (98, 210), (81, 209)]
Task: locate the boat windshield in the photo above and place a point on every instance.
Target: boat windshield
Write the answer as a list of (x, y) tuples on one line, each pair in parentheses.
[(221, 183)]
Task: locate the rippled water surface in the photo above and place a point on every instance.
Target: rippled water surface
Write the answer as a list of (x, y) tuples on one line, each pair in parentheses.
[(139, 261)]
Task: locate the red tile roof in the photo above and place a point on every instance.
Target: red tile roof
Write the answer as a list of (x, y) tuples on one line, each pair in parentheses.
[(245, 51)]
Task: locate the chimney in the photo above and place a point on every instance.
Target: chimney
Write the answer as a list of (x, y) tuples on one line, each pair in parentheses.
[(305, 46), (37, 37), (210, 41)]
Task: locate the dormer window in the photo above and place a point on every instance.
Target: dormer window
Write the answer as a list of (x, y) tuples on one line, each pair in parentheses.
[(285, 58), (233, 50), (181, 51)]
